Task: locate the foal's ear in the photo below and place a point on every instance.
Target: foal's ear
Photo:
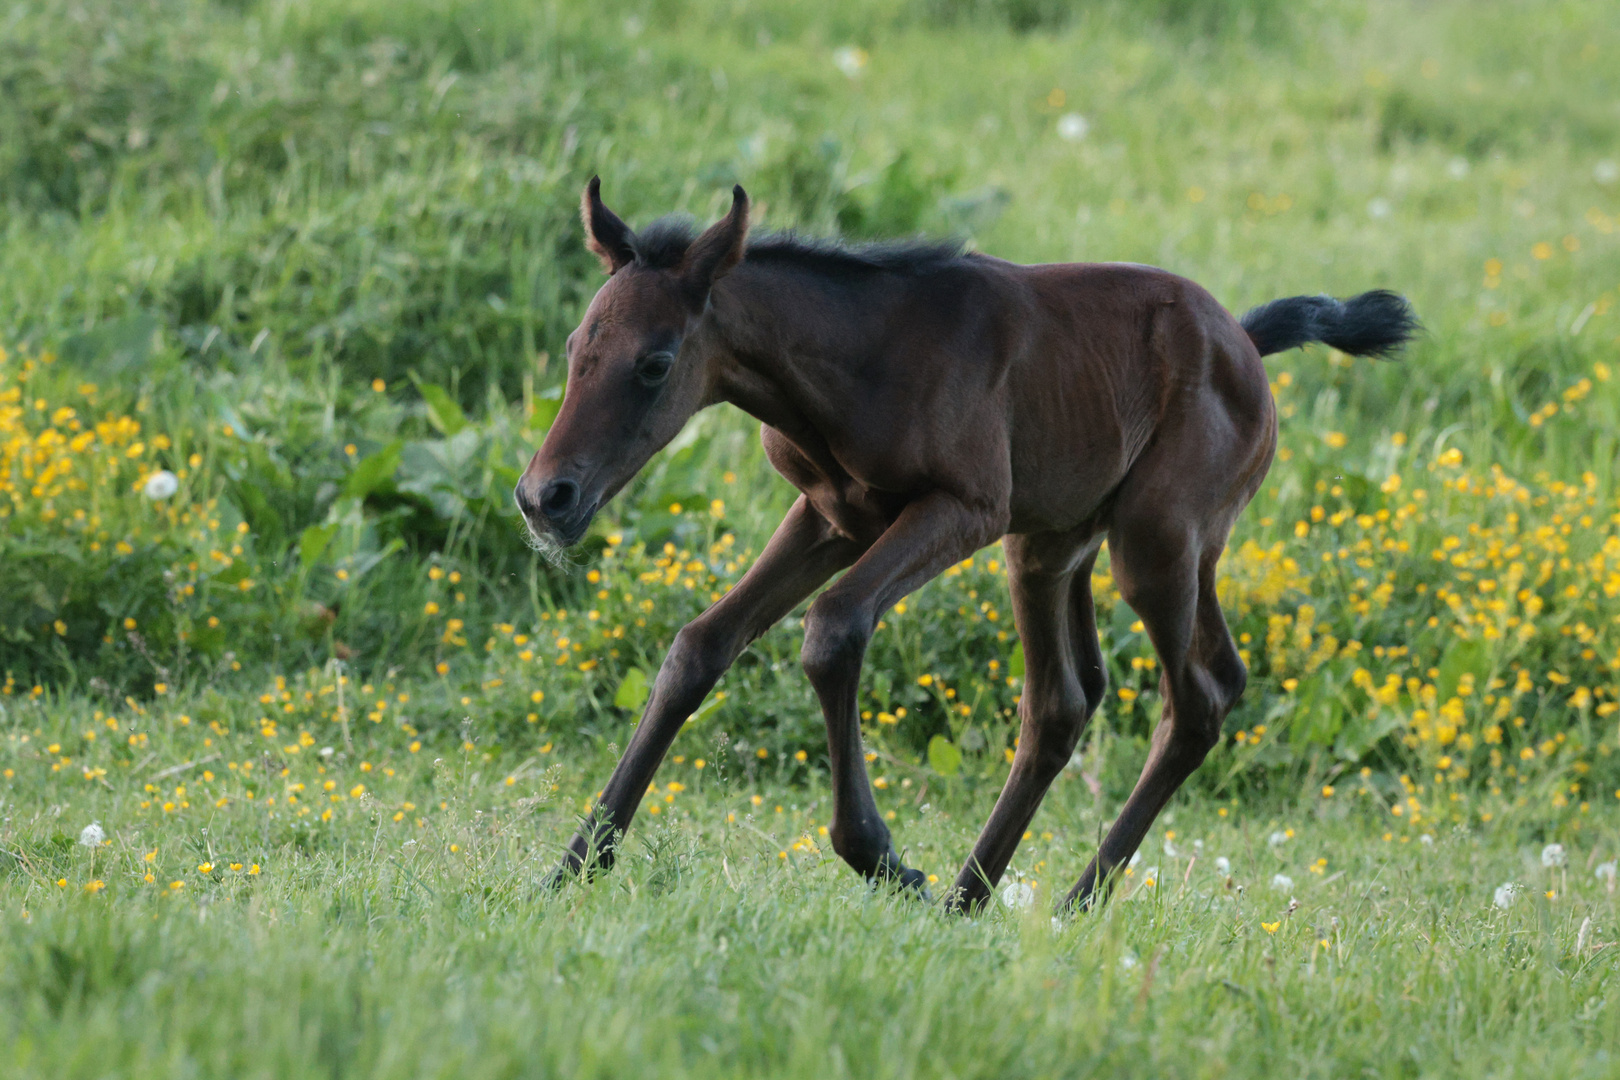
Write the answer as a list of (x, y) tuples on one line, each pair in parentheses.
[(718, 249), (608, 238)]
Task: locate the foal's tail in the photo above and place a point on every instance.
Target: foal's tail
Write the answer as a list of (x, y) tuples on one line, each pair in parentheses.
[(1376, 323)]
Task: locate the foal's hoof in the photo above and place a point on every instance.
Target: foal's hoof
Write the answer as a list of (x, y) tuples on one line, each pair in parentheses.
[(562, 875), (914, 882)]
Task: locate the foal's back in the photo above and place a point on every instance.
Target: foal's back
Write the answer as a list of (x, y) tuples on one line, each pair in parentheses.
[(1105, 360)]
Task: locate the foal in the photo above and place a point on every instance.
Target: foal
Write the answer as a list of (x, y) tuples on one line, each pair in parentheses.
[(928, 403)]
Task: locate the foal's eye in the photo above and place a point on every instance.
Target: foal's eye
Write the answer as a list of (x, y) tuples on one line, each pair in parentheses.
[(653, 368)]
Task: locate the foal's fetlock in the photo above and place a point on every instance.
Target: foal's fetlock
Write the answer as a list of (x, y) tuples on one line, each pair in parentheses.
[(591, 850)]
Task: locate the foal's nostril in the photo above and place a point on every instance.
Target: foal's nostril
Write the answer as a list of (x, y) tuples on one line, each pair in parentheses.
[(559, 498), (524, 502)]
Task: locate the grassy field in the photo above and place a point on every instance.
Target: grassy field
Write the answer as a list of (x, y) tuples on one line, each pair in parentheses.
[(282, 289)]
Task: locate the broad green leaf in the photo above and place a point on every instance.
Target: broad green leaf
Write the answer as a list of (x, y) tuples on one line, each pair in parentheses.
[(546, 404), (374, 471), (313, 541), (1461, 658), (443, 412), (1015, 662), (707, 709), (632, 691), (943, 756)]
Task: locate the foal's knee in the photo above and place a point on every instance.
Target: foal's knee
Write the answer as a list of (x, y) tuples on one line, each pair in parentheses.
[(1054, 730), (1200, 709), (835, 639), (697, 658)]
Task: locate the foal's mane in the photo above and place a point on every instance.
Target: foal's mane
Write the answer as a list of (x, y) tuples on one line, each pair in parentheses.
[(663, 243)]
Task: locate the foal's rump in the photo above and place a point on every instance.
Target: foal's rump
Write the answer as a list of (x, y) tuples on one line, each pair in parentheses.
[(1128, 358)]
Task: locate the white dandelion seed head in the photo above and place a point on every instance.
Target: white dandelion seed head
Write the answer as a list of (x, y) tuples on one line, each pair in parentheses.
[(1379, 208), (161, 485), (849, 59), (1282, 882), (1505, 894), (1018, 895), (1170, 849), (1553, 855), (92, 835), (1426, 840), (1606, 172), (1198, 846), (1277, 839), (1127, 960), (1073, 127), (1223, 865), (1136, 857), (1605, 871)]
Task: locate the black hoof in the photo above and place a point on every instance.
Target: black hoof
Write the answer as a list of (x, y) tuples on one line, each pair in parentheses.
[(914, 882), (562, 875)]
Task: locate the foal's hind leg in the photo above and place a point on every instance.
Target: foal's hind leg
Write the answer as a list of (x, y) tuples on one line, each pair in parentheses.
[(1050, 580), (1166, 572)]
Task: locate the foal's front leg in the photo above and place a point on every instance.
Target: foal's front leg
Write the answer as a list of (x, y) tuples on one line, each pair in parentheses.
[(803, 553), (928, 536)]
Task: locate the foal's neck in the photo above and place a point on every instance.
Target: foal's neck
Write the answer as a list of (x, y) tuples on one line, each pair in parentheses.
[(787, 338)]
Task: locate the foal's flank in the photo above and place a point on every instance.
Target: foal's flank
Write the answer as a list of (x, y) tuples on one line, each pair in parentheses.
[(927, 402)]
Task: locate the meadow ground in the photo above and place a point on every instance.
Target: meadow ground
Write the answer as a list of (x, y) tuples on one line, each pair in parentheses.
[(292, 724)]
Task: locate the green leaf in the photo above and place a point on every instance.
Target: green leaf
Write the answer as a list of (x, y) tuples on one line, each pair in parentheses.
[(312, 543), (707, 709), (1015, 662), (374, 471), (1461, 658), (114, 348), (546, 405), (943, 756), (632, 691), (443, 412)]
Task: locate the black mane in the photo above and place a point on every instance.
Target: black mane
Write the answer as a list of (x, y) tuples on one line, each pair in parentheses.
[(662, 245)]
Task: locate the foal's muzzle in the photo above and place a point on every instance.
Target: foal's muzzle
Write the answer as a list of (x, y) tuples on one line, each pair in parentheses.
[(557, 509)]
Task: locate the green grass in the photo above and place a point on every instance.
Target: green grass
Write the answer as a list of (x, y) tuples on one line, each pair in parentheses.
[(725, 944), (225, 220)]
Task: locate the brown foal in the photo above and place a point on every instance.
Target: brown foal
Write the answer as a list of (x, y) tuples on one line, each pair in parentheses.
[(927, 403)]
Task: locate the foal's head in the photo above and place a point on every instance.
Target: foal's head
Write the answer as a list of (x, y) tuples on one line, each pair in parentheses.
[(634, 378)]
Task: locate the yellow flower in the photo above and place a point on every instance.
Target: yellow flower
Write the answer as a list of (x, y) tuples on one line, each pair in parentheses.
[(1271, 927)]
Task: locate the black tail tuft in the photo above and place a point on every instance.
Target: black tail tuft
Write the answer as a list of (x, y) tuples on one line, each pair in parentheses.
[(1376, 323)]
